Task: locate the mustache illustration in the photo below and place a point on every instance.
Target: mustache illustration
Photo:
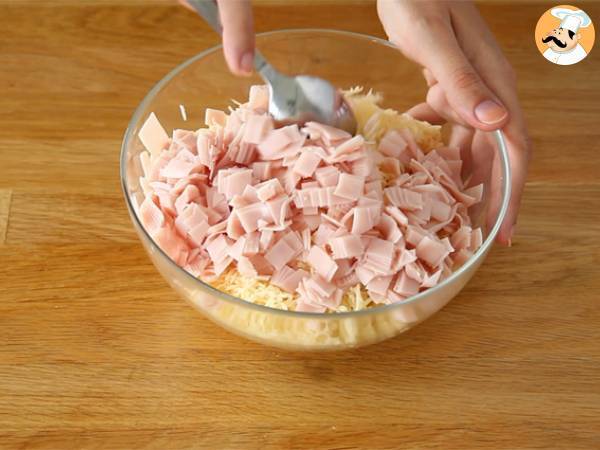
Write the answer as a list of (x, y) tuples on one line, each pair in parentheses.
[(556, 41)]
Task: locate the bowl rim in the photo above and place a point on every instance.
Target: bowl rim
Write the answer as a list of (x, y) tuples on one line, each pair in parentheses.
[(135, 118)]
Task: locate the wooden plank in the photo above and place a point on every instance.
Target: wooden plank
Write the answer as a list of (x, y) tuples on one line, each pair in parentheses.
[(5, 197)]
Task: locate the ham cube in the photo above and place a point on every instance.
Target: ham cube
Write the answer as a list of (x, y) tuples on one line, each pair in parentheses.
[(431, 251), (288, 279), (406, 286), (349, 246), (249, 216), (215, 117), (258, 99), (350, 186), (267, 190), (257, 128), (322, 263), (280, 254), (393, 144), (306, 164), (153, 135)]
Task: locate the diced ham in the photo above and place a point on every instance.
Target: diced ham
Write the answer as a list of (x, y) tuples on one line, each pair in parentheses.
[(153, 135), (232, 182), (177, 168), (389, 228), (327, 133), (288, 279), (280, 140), (306, 164), (257, 127), (250, 215), (403, 198), (431, 251), (314, 211), (218, 248), (393, 144), (258, 98), (323, 264), (379, 285), (151, 216), (349, 246), (268, 189), (406, 286), (189, 194), (327, 176), (350, 186), (262, 170), (355, 143), (215, 117), (284, 250)]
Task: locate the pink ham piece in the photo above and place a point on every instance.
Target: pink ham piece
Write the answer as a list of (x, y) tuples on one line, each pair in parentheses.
[(151, 216), (258, 98), (379, 285), (232, 182), (323, 264), (327, 176), (268, 189), (393, 144), (431, 251), (153, 135), (250, 215), (349, 246), (306, 164), (350, 186), (283, 251), (406, 286), (325, 132), (257, 127), (278, 141), (404, 198), (288, 279), (364, 218), (314, 211), (177, 168), (189, 194), (215, 117), (379, 256)]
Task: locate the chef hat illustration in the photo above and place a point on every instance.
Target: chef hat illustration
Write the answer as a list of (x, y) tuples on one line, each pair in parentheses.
[(571, 19)]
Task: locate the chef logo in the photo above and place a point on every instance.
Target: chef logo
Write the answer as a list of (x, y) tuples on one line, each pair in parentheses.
[(564, 35)]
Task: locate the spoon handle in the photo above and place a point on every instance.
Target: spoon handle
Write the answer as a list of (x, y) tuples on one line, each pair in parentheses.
[(209, 11)]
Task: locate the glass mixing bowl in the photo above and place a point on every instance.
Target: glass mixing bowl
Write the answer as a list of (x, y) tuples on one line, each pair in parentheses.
[(346, 59)]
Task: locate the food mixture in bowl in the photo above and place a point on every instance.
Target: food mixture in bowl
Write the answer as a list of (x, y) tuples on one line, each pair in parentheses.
[(309, 218)]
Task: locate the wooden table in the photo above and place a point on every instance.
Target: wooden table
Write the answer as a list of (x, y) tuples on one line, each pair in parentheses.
[(97, 352)]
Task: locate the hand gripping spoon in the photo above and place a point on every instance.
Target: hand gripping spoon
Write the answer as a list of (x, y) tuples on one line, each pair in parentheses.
[(296, 99)]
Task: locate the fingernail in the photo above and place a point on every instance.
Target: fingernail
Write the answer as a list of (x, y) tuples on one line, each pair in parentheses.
[(490, 112), (247, 62)]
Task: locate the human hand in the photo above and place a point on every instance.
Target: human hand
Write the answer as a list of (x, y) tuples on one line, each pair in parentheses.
[(470, 81)]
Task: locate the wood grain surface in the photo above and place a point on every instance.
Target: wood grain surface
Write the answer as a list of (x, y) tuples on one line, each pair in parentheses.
[(97, 352)]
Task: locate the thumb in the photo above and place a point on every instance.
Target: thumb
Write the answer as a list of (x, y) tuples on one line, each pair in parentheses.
[(468, 95), (436, 48), (238, 35)]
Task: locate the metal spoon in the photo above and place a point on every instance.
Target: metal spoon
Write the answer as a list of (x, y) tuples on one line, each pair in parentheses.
[(296, 99)]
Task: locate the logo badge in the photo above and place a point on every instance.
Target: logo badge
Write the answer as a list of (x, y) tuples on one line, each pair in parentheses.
[(564, 35)]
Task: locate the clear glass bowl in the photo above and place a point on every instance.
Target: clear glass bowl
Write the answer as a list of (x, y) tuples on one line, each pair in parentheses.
[(346, 59)]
